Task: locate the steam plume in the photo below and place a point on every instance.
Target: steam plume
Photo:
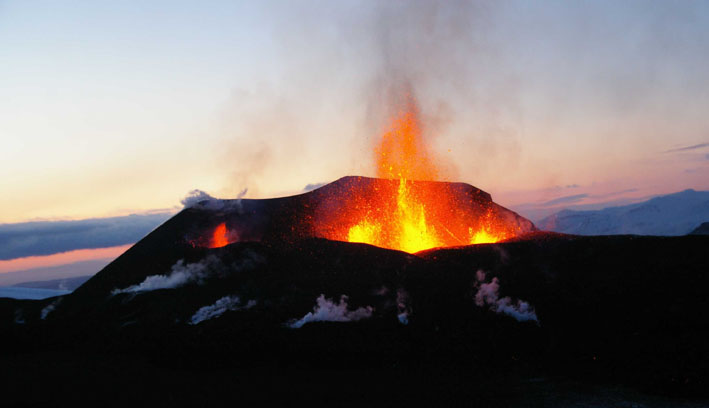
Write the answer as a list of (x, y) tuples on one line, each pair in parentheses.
[(487, 294), (180, 275), (203, 201), (219, 307), (49, 309), (329, 311), (402, 299)]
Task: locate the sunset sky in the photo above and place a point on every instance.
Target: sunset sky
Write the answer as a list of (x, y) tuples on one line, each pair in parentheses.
[(112, 108)]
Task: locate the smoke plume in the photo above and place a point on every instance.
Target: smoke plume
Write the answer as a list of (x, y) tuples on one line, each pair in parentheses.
[(327, 310), (343, 73)]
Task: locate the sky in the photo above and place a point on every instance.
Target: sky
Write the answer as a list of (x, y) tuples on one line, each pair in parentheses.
[(115, 108)]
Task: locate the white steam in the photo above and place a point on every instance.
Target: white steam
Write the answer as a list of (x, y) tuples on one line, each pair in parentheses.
[(403, 309), (181, 274), (203, 201), (329, 311), (19, 316), (219, 307), (49, 308), (198, 198), (487, 295)]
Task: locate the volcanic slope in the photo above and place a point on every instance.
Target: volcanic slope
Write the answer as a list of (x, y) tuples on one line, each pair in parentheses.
[(324, 212), (615, 309)]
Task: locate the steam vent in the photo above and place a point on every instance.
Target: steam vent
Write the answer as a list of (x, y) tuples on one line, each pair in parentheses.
[(397, 214)]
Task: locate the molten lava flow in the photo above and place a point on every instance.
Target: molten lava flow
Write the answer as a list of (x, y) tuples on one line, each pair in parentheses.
[(410, 220), (220, 237), (405, 228), (484, 235)]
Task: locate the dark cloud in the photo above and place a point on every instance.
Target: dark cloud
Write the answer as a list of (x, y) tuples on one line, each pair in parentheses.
[(687, 148), (707, 156), (50, 237)]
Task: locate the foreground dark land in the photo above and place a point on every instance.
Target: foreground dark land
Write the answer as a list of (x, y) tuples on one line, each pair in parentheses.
[(620, 319)]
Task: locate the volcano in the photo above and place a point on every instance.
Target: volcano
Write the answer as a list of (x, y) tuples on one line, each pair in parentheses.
[(395, 289), (459, 215), (502, 324), (284, 310)]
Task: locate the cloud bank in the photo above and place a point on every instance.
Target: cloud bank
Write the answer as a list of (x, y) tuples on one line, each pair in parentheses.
[(50, 237)]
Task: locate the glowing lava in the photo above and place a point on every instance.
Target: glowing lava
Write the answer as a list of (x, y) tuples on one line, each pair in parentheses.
[(220, 237), (410, 220), (404, 208), (405, 229)]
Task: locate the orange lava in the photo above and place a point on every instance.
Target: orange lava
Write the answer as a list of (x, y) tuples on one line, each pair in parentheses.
[(220, 237), (411, 219)]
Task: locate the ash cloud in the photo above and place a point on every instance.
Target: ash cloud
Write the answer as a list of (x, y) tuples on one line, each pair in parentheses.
[(340, 74), (438, 52), (221, 306), (491, 79), (487, 295), (327, 310)]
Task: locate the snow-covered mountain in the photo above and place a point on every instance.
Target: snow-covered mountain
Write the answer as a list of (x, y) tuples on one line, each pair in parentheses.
[(672, 214)]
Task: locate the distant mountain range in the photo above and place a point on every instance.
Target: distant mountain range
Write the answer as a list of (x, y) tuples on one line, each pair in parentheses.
[(52, 273), (673, 214), (67, 284)]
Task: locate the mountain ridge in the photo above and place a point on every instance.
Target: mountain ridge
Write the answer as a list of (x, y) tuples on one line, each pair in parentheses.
[(672, 214)]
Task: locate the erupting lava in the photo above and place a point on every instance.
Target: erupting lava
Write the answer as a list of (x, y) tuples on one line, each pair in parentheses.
[(414, 221), (220, 237), (404, 208)]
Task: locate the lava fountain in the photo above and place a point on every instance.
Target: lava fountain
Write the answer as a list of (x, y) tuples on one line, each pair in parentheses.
[(220, 236), (406, 207), (418, 217)]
